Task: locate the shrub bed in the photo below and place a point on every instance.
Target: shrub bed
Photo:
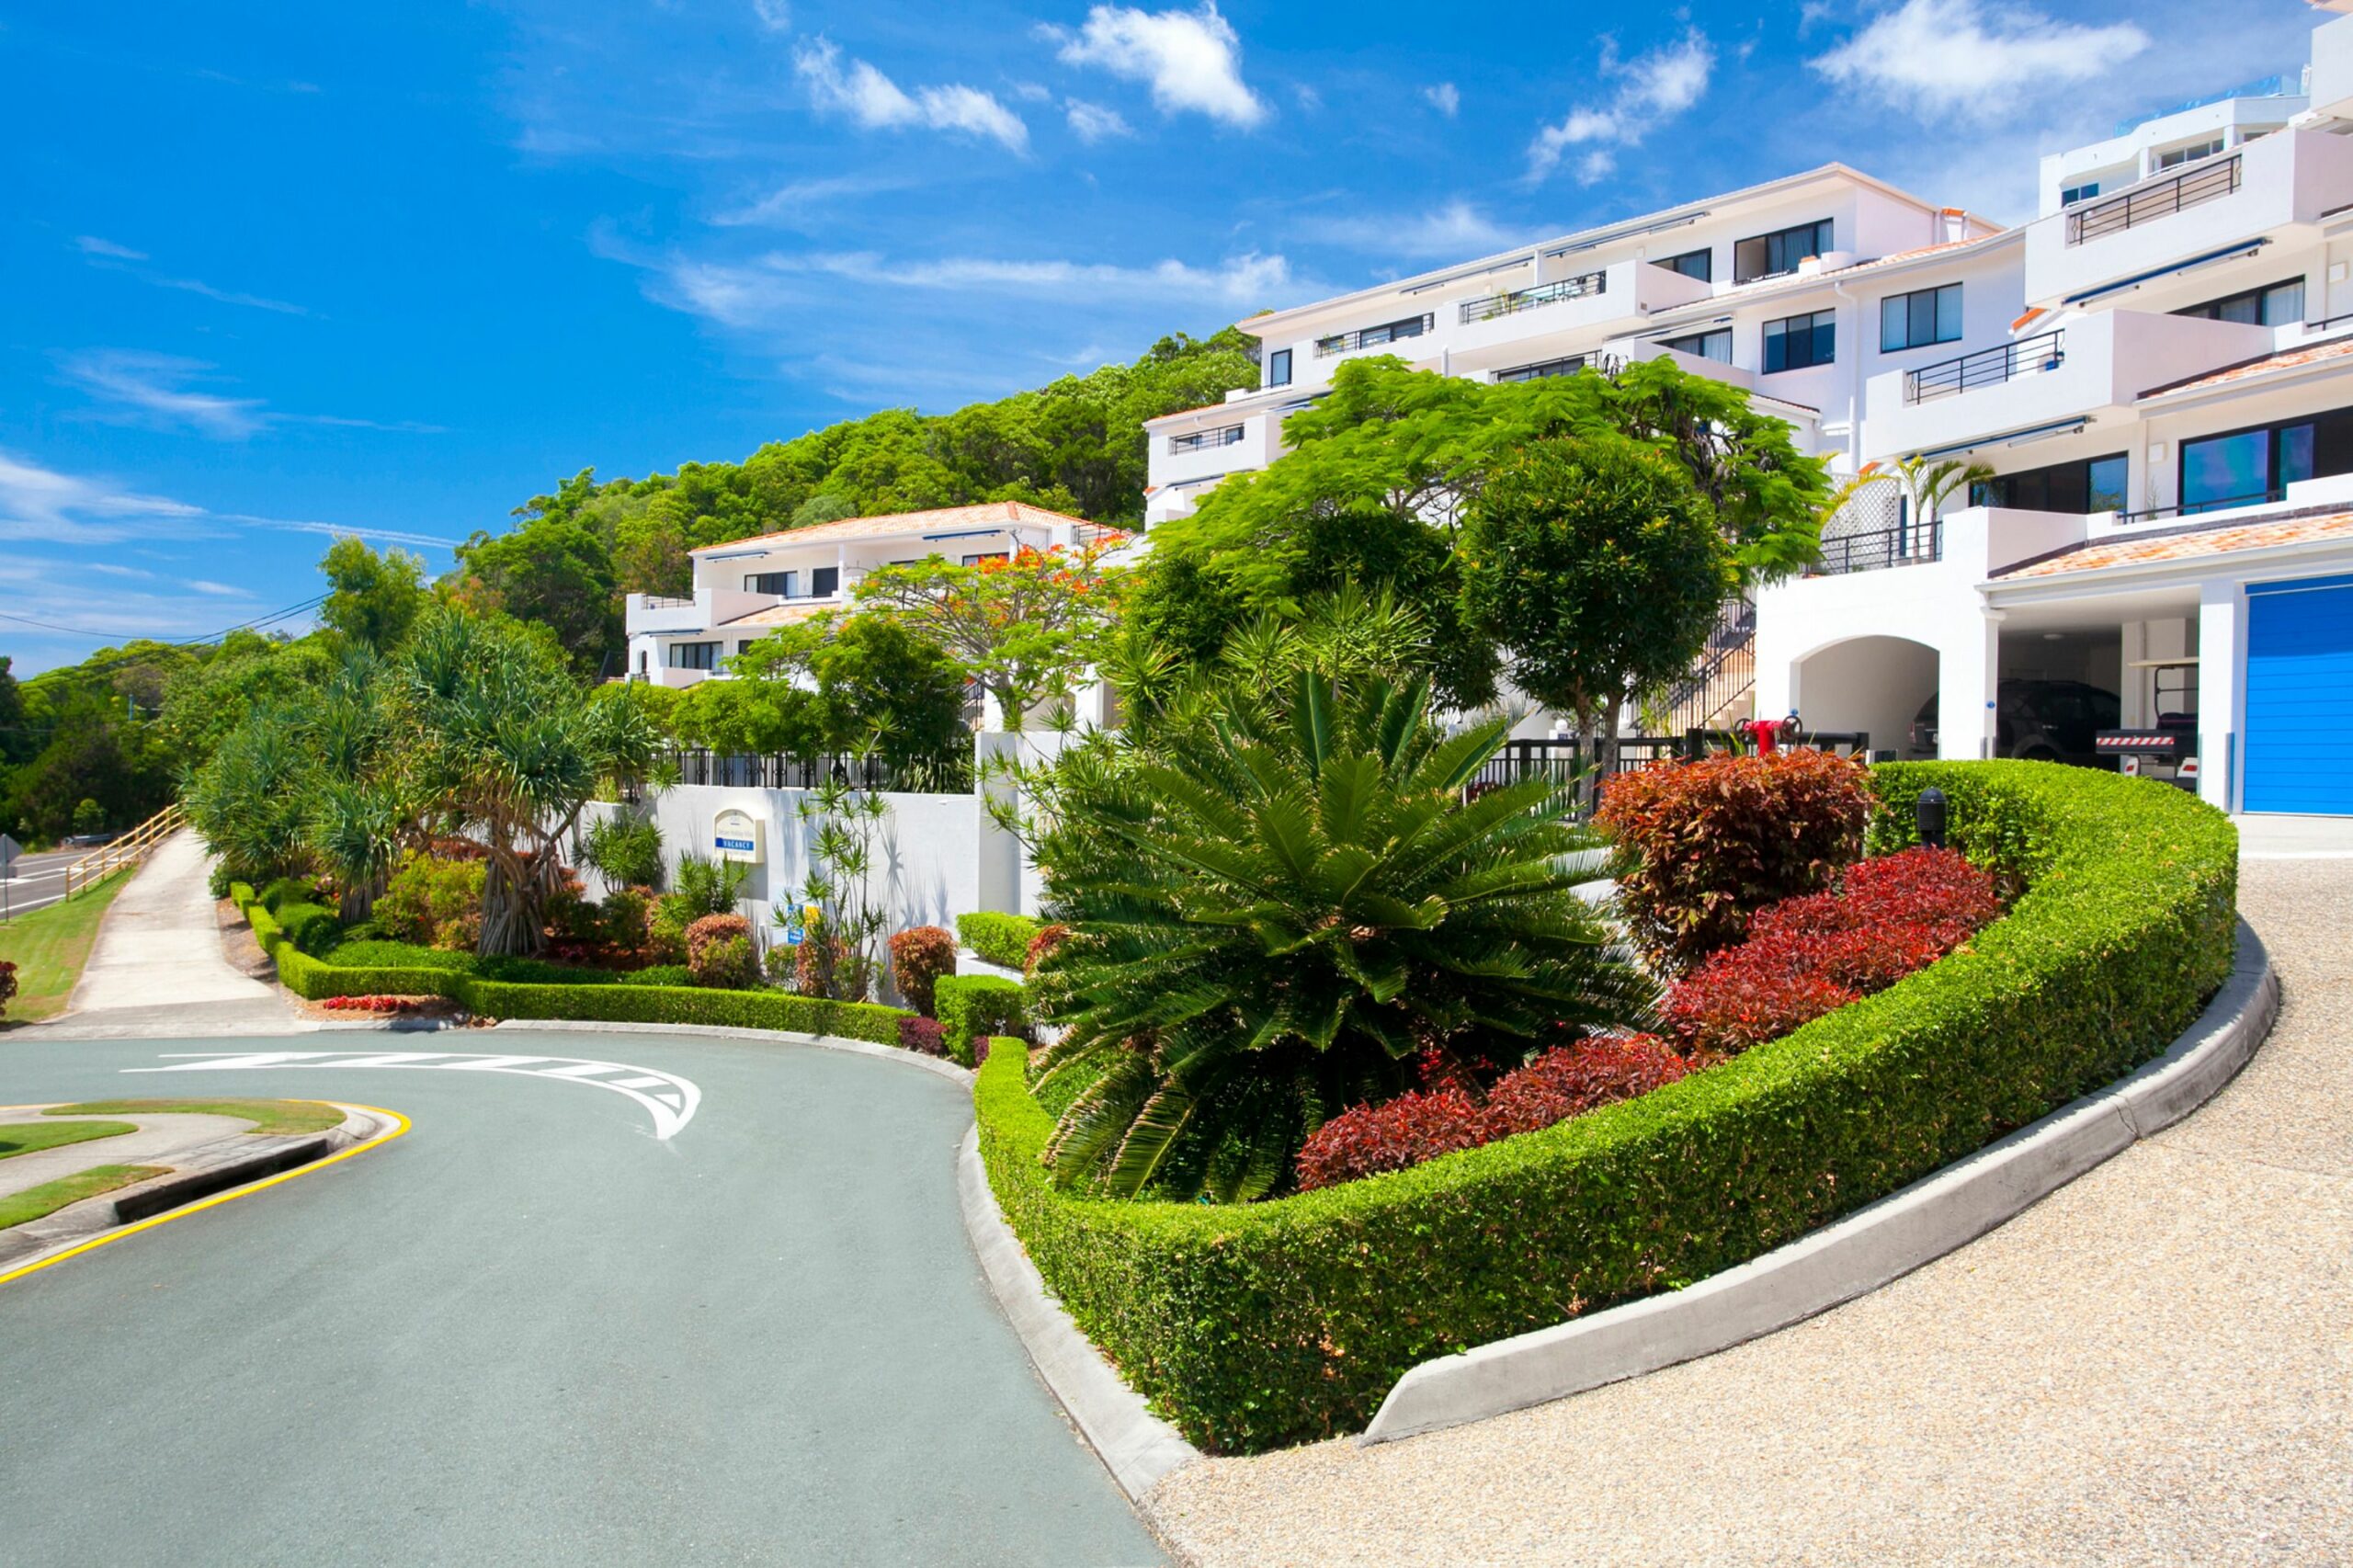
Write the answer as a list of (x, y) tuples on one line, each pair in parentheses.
[(1252, 1326), (583, 994), (1003, 939)]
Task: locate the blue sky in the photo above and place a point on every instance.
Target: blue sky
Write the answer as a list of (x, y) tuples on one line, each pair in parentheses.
[(274, 272)]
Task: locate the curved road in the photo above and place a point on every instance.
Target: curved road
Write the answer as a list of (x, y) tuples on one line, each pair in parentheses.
[(534, 1332)]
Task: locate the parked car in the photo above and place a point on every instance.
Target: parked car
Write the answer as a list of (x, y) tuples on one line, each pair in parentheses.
[(2040, 721)]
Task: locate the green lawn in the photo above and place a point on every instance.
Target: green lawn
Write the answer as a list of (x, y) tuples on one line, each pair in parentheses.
[(48, 948), (267, 1116), (29, 1137), (37, 1201)]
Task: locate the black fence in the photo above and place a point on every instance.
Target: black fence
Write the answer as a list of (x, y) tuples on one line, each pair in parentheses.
[(1986, 368), (780, 770), (2201, 182), (1564, 761), (1906, 544)]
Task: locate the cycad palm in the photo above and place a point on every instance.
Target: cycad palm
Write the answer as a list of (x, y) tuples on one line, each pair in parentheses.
[(1277, 909)]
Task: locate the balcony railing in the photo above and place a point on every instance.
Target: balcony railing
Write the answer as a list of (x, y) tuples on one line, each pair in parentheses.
[(1906, 544), (2209, 180), (1986, 368), (780, 770), (1489, 306), (1202, 440), (668, 601), (1374, 337)]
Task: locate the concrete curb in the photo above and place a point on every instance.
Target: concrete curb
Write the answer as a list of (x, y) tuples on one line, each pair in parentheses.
[(210, 1168), (939, 1064), (1858, 1253), (1135, 1446)]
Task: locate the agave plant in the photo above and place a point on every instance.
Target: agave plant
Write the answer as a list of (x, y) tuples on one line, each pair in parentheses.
[(1276, 909)]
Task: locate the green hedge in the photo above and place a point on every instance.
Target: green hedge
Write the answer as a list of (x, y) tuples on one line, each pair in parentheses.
[(968, 1005), (1256, 1326), (603, 1002), (1000, 939)]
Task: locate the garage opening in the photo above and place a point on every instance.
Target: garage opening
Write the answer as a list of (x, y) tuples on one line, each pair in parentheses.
[(1880, 685)]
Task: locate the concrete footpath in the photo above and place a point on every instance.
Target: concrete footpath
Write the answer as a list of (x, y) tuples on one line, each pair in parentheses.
[(2150, 1366), (157, 1141), (158, 966)]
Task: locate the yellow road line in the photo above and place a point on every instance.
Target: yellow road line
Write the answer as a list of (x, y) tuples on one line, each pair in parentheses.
[(401, 1126)]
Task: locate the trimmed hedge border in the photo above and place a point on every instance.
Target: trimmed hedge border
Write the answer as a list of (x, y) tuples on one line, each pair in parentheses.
[(311, 978), (968, 1005), (1254, 1327), (1001, 938)]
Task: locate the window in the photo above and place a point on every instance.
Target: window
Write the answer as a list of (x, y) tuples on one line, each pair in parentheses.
[(1699, 264), (2085, 485), (2245, 466), (1278, 367), (1228, 435), (1795, 342), (1716, 344), (785, 584), (694, 655), (1769, 256), (2190, 154), (1919, 318), (2075, 193), (2279, 304), (824, 582), (993, 555), (1537, 372), (743, 644)]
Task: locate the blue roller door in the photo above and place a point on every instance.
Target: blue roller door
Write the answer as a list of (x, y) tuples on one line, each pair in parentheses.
[(2300, 696)]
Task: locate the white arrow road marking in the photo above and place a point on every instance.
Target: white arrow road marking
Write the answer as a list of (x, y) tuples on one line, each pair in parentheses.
[(668, 1099)]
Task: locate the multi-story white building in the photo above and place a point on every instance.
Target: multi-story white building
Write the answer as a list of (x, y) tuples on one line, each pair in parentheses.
[(747, 586), (2158, 370)]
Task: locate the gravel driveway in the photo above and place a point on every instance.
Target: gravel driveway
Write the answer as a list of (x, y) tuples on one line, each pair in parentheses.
[(2152, 1366)]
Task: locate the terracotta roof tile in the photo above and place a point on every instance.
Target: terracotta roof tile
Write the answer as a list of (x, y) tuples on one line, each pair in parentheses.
[(2286, 360), (2184, 545), (785, 614), (934, 521)]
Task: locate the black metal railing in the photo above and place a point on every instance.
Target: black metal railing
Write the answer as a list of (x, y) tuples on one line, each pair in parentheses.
[(2220, 503), (1487, 307), (2207, 180), (1565, 761), (781, 770), (1726, 671), (1374, 337), (1986, 368), (1202, 440), (668, 601), (1906, 544)]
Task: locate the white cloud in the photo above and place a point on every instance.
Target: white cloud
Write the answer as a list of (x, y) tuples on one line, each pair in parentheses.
[(1191, 59), (1456, 229), (1033, 92), (158, 389), (1948, 59), (1651, 88), (1309, 98), (113, 257), (774, 15), (1445, 98), (91, 244), (219, 590), (40, 504), (873, 100), (798, 201), (154, 388), (1092, 122)]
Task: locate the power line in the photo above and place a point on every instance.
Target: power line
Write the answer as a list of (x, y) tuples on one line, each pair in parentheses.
[(87, 669)]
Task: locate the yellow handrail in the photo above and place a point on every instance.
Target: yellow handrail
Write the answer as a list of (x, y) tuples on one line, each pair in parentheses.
[(128, 850)]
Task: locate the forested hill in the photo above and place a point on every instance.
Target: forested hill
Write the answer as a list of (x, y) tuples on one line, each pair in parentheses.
[(1077, 446)]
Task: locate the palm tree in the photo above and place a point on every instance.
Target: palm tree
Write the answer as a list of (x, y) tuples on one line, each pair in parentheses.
[(1277, 905)]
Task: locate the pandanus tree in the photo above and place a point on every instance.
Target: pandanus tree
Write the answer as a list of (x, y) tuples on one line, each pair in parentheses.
[(500, 735), (1279, 903)]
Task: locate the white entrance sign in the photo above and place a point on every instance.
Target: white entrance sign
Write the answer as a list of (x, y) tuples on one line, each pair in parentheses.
[(736, 835)]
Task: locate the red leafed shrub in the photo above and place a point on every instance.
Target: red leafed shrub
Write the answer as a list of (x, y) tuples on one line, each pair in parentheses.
[(923, 1036), (719, 952), (1047, 939), (1425, 1123), (919, 956), (369, 1005), (1708, 843), (1805, 957), (7, 984)]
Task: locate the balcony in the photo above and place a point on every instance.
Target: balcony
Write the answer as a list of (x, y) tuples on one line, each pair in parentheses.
[(1374, 337), (1487, 307), (1199, 455), (1203, 440), (2198, 212), (1906, 544), (2095, 368)]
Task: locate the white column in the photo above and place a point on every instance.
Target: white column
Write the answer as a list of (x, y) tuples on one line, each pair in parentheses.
[(1969, 679), (2221, 690)]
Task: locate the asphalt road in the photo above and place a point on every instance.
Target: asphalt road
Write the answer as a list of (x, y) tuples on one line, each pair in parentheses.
[(35, 881), (533, 1331)]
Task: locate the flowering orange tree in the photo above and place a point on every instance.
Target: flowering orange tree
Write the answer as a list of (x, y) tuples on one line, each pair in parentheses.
[(1023, 626)]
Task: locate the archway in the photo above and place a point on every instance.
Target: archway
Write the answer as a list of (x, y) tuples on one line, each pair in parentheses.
[(1874, 684)]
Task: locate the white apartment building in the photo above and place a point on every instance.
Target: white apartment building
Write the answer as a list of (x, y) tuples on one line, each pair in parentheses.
[(2158, 370), (747, 586)]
